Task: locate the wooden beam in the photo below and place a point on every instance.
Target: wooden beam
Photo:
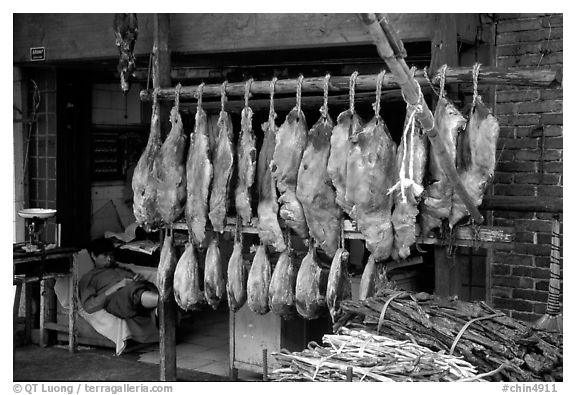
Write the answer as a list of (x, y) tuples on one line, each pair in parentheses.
[(444, 45), (543, 78), (166, 308), (411, 92)]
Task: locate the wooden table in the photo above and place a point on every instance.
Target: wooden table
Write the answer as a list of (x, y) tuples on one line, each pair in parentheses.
[(40, 266)]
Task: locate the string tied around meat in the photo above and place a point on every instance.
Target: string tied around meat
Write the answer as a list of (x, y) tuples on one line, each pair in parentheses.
[(407, 182), (177, 92), (299, 94), (475, 74), (247, 94), (272, 113), (352, 89), (155, 93), (199, 92), (324, 108), (443, 81), (430, 82), (376, 104), (223, 95)]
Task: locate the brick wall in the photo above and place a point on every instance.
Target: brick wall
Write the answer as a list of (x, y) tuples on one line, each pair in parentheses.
[(529, 156)]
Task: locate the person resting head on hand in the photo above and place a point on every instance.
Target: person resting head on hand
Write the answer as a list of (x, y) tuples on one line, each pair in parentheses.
[(118, 290)]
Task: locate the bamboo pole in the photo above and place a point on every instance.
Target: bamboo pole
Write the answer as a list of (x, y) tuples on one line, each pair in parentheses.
[(411, 92), (488, 75)]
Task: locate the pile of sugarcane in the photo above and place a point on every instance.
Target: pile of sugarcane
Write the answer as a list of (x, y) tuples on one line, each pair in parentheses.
[(487, 338), (370, 358)]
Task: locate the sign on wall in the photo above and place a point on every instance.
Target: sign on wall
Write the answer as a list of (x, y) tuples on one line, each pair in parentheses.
[(37, 54)]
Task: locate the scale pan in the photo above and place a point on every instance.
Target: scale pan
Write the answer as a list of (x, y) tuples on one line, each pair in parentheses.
[(41, 213)]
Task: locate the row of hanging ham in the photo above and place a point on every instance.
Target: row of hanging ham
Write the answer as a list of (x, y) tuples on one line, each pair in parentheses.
[(320, 173)]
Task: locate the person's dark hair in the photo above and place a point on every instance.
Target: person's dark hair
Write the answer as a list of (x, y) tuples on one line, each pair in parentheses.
[(100, 246)]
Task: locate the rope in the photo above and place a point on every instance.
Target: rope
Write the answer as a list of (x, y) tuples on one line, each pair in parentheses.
[(272, 114), (324, 108), (247, 91), (379, 81), (430, 82), (475, 73), (467, 325), (177, 95), (155, 97), (385, 307), (443, 81), (199, 91), (299, 93), (223, 95), (352, 89), (342, 232)]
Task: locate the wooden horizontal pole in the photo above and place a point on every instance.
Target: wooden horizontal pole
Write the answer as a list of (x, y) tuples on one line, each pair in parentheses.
[(488, 75), (539, 204)]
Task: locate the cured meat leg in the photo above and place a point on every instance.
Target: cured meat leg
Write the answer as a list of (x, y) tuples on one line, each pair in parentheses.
[(198, 176), (290, 144), (246, 167), (339, 287), (370, 174), (437, 201), (187, 290), (214, 284), (237, 277), (268, 227), (171, 171), (369, 280), (222, 162), (144, 182), (166, 267), (282, 286), (411, 160), (348, 123), (314, 189), (259, 282), (477, 157), (309, 301)]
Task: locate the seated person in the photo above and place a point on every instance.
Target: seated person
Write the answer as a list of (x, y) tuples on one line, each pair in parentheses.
[(119, 291)]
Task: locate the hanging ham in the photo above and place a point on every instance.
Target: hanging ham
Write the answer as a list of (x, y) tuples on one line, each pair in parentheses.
[(370, 174), (259, 282), (222, 162), (268, 227), (282, 286), (309, 301), (214, 283), (246, 167), (198, 176), (411, 160), (166, 267), (237, 277), (369, 280), (290, 144), (144, 184), (437, 199), (171, 171), (339, 287), (187, 291), (314, 188), (476, 157)]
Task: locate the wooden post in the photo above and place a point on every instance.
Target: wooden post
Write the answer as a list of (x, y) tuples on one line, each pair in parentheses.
[(166, 309), (233, 372), (73, 308)]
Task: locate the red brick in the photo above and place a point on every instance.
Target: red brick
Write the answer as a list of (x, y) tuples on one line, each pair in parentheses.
[(520, 143), (553, 131), (529, 36), (507, 108), (517, 95), (516, 167), (516, 25), (551, 94), (538, 155), (554, 142), (549, 217), (537, 296), (528, 131), (539, 106), (549, 190), (501, 292), (530, 272), (551, 119), (522, 119), (512, 304), (544, 238), (514, 259), (539, 308), (534, 225), (507, 132), (513, 214), (503, 221), (503, 17), (514, 190), (537, 178), (501, 270), (524, 237), (527, 60), (553, 20), (528, 318), (553, 167), (504, 155), (513, 281), (503, 178), (542, 285)]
